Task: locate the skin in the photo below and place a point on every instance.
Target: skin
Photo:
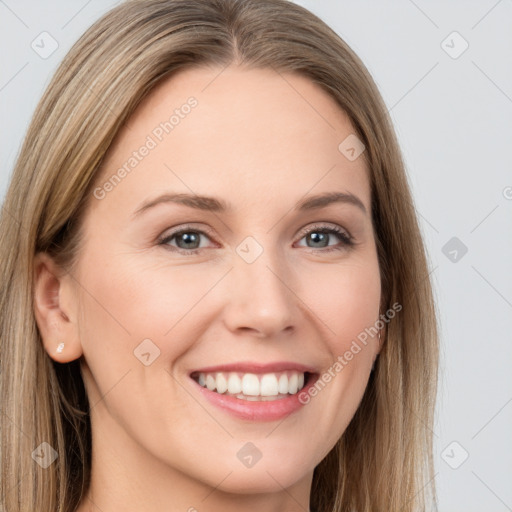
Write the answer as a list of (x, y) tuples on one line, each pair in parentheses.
[(262, 142)]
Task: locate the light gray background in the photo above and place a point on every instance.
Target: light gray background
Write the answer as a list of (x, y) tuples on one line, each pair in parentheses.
[(453, 117)]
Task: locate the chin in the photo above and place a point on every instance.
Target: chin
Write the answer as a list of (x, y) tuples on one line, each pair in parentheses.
[(269, 476), (260, 481)]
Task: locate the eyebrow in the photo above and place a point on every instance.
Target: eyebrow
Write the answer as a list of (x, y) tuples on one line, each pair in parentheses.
[(213, 204)]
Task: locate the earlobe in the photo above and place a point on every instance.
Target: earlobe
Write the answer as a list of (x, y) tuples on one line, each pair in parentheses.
[(57, 324)]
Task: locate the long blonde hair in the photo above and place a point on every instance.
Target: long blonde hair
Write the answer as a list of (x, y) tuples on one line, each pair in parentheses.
[(383, 461)]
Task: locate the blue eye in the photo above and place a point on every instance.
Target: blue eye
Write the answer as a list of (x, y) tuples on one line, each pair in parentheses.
[(188, 240), (322, 235)]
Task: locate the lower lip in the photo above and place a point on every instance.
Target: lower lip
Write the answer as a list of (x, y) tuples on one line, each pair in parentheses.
[(271, 410)]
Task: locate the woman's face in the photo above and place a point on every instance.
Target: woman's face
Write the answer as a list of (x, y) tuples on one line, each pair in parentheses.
[(206, 254)]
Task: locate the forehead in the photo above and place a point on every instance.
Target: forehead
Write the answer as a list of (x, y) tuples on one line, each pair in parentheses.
[(260, 133)]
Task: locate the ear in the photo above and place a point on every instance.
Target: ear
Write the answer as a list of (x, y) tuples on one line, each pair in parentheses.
[(54, 300)]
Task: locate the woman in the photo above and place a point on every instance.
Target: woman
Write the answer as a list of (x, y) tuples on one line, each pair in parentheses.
[(215, 293)]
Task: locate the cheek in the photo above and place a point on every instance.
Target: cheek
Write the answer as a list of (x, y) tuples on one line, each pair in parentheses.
[(127, 303), (128, 311), (345, 298)]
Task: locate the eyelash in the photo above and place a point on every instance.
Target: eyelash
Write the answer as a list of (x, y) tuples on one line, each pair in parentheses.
[(346, 239)]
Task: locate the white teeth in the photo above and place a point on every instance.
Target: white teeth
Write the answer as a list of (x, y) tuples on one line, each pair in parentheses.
[(283, 383), (222, 383), (268, 385), (293, 381), (210, 382), (234, 384), (251, 386)]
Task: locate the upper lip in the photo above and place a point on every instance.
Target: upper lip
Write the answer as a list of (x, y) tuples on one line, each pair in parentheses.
[(252, 367)]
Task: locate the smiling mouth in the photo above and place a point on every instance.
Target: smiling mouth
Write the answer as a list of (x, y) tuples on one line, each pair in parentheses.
[(254, 386)]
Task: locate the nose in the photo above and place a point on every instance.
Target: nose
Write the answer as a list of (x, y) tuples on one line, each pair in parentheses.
[(261, 299)]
